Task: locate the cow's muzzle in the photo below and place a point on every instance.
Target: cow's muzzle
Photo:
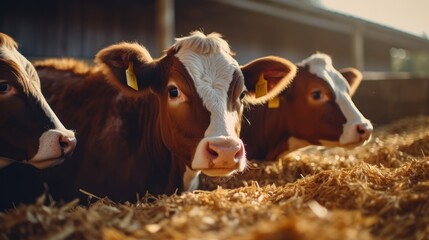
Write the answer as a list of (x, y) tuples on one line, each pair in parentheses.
[(219, 156)]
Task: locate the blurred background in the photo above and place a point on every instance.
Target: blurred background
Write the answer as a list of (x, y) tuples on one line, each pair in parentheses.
[(387, 40)]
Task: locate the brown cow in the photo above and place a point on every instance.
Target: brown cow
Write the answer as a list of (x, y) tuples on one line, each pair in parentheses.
[(184, 118), (29, 131), (315, 110)]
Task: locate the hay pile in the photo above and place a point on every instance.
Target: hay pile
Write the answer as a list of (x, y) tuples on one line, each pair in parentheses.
[(377, 191)]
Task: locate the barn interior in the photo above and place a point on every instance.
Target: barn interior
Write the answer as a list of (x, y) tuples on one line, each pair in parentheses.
[(376, 191)]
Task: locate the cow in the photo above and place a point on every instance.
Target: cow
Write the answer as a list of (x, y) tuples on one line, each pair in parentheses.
[(316, 109), (152, 125), (30, 132)]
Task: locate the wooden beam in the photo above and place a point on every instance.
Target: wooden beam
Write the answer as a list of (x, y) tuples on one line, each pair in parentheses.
[(337, 22), (283, 13), (165, 24), (358, 47)]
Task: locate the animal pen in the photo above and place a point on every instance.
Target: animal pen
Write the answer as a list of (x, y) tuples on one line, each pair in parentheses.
[(376, 191)]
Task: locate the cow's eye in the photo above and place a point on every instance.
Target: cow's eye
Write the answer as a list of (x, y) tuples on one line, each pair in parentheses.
[(242, 95), (173, 92), (4, 87), (316, 95)]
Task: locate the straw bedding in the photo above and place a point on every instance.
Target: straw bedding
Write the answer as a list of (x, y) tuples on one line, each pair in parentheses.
[(376, 191)]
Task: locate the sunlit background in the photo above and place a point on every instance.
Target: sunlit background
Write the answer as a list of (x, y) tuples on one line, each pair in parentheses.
[(385, 39), (409, 16), (374, 36)]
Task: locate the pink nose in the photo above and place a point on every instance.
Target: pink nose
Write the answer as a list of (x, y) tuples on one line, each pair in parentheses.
[(67, 145), (364, 131), (225, 154)]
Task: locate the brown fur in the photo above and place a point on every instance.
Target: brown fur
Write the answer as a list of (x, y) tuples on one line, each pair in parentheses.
[(267, 131), (98, 104), (376, 191), (24, 120), (130, 141), (77, 67)]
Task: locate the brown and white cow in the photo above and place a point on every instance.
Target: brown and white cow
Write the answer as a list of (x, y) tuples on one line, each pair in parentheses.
[(29, 131), (184, 119), (316, 109)]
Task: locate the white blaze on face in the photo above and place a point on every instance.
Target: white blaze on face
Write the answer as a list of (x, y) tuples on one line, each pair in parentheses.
[(212, 75), (321, 65), (212, 68), (53, 143)]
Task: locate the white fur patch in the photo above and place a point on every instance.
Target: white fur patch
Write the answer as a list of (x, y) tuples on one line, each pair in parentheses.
[(191, 180), (212, 74), (321, 65), (49, 147), (209, 63)]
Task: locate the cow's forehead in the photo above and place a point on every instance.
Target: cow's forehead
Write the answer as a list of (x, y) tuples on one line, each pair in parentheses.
[(212, 75), (29, 78), (210, 65), (25, 67), (321, 66)]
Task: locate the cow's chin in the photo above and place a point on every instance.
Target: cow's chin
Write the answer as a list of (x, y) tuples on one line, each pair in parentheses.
[(218, 172), (4, 162), (327, 143), (356, 144), (41, 164)]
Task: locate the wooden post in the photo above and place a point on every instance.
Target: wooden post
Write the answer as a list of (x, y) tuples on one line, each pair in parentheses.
[(165, 23), (358, 48)]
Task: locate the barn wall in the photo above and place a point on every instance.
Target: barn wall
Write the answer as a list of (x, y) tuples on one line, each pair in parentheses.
[(253, 35), (77, 28), (385, 100), (81, 28), (377, 56)]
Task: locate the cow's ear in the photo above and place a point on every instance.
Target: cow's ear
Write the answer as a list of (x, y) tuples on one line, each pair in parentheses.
[(277, 72), (129, 66), (353, 77)]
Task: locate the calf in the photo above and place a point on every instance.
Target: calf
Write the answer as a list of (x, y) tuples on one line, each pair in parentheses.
[(29, 131), (183, 118), (315, 110)]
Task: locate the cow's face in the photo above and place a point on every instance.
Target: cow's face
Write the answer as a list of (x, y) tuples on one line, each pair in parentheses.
[(320, 98), (201, 91), (29, 130)]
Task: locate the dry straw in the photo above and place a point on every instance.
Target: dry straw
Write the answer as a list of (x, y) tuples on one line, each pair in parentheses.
[(377, 191)]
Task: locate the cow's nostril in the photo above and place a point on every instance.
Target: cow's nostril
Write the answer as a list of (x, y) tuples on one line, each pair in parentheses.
[(361, 130), (64, 144), (364, 131), (67, 145), (239, 153), (225, 152), (211, 151)]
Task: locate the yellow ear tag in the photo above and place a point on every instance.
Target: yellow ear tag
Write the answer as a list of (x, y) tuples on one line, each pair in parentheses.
[(274, 103), (131, 77), (261, 87)]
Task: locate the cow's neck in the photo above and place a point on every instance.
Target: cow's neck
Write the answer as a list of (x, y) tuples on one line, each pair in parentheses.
[(270, 132), (264, 132), (163, 164)]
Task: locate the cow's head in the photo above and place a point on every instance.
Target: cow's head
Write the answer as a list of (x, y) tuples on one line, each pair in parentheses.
[(320, 100), (201, 91), (29, 131)]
